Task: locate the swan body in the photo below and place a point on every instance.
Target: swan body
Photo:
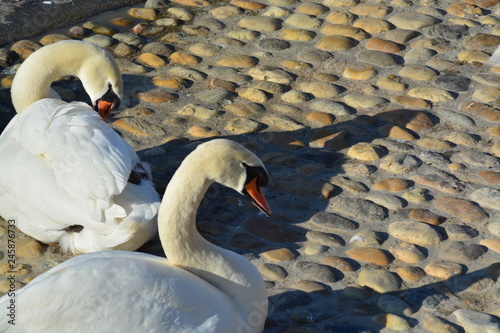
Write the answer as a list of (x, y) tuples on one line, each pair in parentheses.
[(495, 58), (200, 288), (64, 172)]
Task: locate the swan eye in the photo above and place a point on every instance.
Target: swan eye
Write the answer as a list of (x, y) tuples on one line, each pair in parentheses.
[(256, 172)]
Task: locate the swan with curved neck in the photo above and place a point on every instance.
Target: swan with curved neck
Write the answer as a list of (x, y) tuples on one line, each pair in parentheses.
[(95, 67), (66, 177), (200, 288)]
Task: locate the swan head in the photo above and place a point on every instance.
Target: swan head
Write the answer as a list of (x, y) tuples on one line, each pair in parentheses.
[(234, 166), (102, 81)]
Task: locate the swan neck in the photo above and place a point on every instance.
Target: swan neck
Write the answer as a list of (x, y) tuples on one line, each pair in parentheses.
[(186, 248)]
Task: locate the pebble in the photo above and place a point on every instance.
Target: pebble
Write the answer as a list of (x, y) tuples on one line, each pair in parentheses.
[(365, 152), (477, 322), (394, 305), (316, 272), (378, 44), (338, 263), (29, 249), (399, 163), (357, 209), (143, 13), (282, 254), (492, 244), (260, 23), (392, 322), (363, 101), (370, 255), (434, 95), (460, 232), (412, 20), (410, 273), (128, 38), (437, 325), (372, 25), (441, 182), (272, 272), (462, 253), (487, 198), (332, 221), (366, 238), (151, 60), (320, 89), (377, 58), (443, 269), (392, 184), (415, 233), (302, 21), (238, 61), (419, 73), (364, 73), (334, 43), (460, 208), (379, 280), (424, 215), (242, 126)]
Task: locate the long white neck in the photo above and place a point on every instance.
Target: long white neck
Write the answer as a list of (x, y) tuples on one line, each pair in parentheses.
[(186, 248), (82, 59)]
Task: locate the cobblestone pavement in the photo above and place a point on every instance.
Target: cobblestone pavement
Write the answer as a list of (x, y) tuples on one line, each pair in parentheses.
[(378, 122)]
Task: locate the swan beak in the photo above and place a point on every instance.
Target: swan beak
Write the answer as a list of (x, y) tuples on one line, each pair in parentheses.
[(104, 108), (254, 191)]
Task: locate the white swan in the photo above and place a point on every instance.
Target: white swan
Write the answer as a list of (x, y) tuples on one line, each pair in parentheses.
[(200, 288), (65, 176)]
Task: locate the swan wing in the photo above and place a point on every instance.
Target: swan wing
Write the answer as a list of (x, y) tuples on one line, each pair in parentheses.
[(70, 157), (120, 291)]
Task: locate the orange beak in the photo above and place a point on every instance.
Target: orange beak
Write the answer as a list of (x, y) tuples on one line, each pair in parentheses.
[(257, 196), (104, 108)]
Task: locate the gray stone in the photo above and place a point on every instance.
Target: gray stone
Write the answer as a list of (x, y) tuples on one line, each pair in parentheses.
[(101, 40), (274, 44), (272, 272), (314, 56), (377, 58), (460, 232), (128, 38), (357, 209), (487, 197), (333, 221), (379, 280), (325, 239), (457, 118), (462, 253), (395, 305), (453, 82), (412, 20), (399, 163), (477, 322), (329, 106), (388, 201), (476, 158), (316, 272), (213, 95), (448, 32)]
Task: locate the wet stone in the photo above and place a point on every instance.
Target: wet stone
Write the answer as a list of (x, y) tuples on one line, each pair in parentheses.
[(358, 209), (379, 280), (316, 272), (332, 221), (462, 253), (414, 233), (460, 208)]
